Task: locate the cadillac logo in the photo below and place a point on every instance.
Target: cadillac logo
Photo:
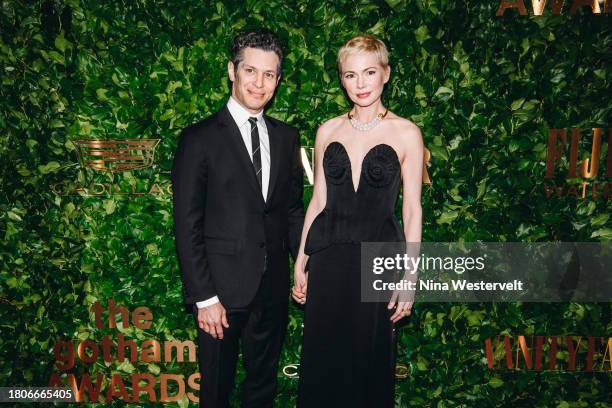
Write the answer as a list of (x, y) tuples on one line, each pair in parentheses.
[(116, 155)]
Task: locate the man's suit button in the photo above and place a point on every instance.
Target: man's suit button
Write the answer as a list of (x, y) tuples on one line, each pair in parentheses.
[(265, 213), (262, 244)]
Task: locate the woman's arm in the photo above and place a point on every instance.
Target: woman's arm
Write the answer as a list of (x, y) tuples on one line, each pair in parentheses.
[(412, 176), (316, 205), (412, 180)]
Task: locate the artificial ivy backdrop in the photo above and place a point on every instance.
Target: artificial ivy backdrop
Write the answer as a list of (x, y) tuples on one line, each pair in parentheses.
[(483, 89)]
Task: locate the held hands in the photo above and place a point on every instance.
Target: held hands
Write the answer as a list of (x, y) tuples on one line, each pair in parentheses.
[(300, 282), (212, 319)]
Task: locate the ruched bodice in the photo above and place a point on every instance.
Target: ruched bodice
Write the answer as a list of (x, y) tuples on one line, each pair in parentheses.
[(362, 215)]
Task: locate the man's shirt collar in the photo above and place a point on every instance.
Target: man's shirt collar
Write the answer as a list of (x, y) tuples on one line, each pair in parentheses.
[(240, 114)]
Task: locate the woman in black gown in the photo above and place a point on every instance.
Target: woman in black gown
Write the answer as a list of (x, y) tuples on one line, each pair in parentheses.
[(361, 160)]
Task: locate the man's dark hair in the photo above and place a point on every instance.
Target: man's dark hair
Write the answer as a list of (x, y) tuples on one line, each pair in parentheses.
[(262, 39)]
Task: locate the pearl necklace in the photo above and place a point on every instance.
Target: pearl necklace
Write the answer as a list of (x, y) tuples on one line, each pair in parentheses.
[(364, 127)]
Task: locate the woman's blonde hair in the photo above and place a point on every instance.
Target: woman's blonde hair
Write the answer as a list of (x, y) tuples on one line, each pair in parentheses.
[(364, 43)]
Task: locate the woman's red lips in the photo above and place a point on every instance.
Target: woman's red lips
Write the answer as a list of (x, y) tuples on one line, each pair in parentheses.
[(363, 95)]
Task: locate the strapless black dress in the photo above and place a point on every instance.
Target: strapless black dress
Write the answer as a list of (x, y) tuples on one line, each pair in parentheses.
[(348, 346)]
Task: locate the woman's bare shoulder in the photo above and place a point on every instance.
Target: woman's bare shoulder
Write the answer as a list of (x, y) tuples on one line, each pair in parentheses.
[(406, 136), (331, 124), (406, 131), (403, 125), (329, 128)]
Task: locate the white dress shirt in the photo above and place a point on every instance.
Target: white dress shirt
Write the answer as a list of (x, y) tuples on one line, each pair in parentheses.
[(241, 117)]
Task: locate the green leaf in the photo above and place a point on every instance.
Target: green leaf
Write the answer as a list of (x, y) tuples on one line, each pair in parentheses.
[(419, 92), (152, 249), (184, 402), (14, 216), (447, 217), (126, 366), (49, 167), (421, 33), (62, 43), (56, 124), (421, 364), (109, 206), (600, 219), (101, 93), (495, 382), (395, 4), (517, 104), (605, 233), (153, 368), (57, 57), (443, 93), (482, 186), (11, 282), (69, 209)]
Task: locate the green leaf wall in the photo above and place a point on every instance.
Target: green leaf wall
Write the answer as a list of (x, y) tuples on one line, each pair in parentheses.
[(483, 89)]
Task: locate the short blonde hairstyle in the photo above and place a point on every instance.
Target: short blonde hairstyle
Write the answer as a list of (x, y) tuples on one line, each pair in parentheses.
[(364, 43)]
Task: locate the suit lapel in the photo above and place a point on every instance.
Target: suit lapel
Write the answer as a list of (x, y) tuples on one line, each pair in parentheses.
[(235, 142), (275, 141)]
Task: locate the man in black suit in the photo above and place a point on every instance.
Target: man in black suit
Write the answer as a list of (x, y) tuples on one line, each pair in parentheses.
[(237, 181)]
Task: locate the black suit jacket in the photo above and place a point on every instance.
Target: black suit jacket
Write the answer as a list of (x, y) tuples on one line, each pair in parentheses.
[(226, 234)]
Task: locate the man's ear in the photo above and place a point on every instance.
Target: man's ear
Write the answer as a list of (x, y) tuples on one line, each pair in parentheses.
[(230, 71)]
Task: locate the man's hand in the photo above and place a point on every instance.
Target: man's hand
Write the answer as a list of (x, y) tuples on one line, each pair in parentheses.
[(212, 319)]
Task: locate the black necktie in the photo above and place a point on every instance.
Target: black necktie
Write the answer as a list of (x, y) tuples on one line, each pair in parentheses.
[(255, 148)]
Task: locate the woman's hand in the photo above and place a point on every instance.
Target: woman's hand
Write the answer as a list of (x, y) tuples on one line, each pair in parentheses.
[(300, 281), (404, 302)]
